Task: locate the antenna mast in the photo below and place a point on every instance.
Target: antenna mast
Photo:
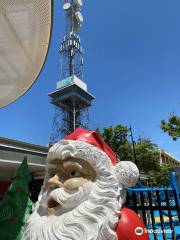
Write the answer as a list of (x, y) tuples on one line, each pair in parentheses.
[(71, 98), (71, 50)]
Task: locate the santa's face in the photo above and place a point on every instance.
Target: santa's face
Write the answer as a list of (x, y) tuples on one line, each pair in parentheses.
[(68, 180)]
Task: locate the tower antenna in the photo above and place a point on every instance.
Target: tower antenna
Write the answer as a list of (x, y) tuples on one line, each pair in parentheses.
[(71, 98)]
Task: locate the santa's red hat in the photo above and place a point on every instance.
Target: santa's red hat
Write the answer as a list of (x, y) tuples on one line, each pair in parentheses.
[(89, 146), (94, 139)]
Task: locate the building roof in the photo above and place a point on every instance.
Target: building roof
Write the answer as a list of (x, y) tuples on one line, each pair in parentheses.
[(21, 145), (162, 151), (12, 152)]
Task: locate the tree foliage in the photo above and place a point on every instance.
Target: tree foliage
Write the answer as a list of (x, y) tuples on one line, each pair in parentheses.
[(160, 178), (172, 126), (117, 138), (147, 154)]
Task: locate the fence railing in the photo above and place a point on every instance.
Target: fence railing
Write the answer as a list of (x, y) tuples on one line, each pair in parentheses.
[(159, 209)]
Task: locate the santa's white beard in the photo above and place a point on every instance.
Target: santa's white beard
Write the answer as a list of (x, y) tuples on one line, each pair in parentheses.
[(89, 214), (65, 199)]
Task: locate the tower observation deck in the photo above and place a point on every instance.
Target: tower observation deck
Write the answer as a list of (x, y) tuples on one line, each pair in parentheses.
[(71, 98)]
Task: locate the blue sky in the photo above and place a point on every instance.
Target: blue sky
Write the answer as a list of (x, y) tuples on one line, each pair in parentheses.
[(132, 66)]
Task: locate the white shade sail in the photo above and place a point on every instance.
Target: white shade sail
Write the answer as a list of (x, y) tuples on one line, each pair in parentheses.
[(25, 29)]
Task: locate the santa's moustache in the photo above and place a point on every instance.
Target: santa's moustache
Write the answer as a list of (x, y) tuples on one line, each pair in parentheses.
[(65, 199)]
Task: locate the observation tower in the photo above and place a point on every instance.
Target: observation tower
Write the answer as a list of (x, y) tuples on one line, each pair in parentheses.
[(71, 98)]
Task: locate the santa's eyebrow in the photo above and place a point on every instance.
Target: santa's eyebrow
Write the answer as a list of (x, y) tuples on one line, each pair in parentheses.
[(71, 163)]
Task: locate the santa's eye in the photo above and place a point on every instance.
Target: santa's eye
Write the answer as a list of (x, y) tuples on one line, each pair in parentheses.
[(51, 175), (75, 173)]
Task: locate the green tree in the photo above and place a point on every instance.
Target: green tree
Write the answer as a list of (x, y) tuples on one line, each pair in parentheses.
[(160, 178), (172, 126), (117, 138), (16, 205), (147, 154)]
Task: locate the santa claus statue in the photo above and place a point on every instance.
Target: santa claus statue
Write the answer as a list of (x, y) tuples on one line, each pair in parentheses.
[(83, 195)]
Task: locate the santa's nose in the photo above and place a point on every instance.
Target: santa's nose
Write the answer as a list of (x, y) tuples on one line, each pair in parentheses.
[(53, 183)]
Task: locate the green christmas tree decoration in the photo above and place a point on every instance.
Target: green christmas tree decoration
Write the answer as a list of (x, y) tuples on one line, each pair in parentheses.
[(16, 205)]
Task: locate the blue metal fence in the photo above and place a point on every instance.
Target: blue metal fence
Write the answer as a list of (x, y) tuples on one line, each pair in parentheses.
[(159, 209)]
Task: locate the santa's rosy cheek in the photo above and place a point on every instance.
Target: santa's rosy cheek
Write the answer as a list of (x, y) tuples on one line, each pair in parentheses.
[(72, 185)]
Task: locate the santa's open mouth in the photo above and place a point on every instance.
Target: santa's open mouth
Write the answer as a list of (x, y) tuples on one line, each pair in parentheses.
[(52, 204)]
